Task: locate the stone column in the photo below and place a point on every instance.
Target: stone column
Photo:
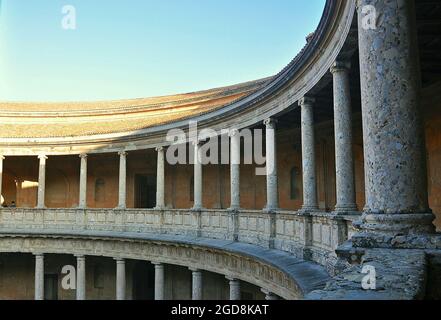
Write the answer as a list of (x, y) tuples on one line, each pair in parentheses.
[(81, 278), (120, 279), (197, 177), (160, 179), (159, 281), (344, 159), (196, 284), (41, 182), (235, 170), (83, 182), (394, 146), (308, 155), (1, 177), (269, 295), (122, 179), (234, 288), (39, 276), (272, 192)]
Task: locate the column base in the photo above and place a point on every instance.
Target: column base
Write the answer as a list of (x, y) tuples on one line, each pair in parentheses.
[(234, 209), (350, 209), (309, 209), (394, 224)]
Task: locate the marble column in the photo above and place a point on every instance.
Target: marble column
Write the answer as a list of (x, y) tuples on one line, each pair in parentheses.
[(196, 284), (39, 276), (81, 278), (1, 178), (197, 177), (160, 179), (41, 182), (159, 281), (234, 288), (308, 155), (269, 295), (235, 169), (344, 159), (272, 192), (393, 132), (120, 279), (122, 179), (83, 182)]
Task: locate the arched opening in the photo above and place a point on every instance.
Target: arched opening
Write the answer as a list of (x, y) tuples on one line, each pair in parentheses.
[(143, 281)]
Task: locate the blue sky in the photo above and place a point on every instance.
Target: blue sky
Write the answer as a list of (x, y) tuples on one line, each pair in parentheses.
[(140, 48)]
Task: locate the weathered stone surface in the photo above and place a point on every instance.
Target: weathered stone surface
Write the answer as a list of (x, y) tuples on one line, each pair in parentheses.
[(400, 275)]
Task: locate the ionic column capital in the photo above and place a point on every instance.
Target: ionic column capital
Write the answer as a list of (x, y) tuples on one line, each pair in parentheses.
[(83, 156), (270, 123), (2, 157), (160, 149), (340, 66), (122, 154), (42, 157), (306, 102), (233, 132)]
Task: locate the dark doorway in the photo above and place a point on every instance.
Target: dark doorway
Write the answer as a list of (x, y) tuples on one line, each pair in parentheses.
[(50, 287), (143, 281), (145, 191)]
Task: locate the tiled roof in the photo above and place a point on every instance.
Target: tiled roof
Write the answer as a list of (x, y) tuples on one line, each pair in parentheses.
[(70, 119)]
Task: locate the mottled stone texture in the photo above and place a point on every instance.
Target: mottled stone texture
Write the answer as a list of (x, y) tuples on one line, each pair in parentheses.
[(41, 181), (308, 155), (196, 286), (393, 137), (83, 181), (197, 177), (39, 277), (405, 280), (234, 289), (344, 159)]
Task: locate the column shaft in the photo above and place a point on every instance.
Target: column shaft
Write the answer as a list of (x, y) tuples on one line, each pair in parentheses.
[(120, 279), (41, 182), (83, 182), (308, 155), (196, 285), (271, 166), (344, 159), (160, 180), (81, 278), (235, 169), (159, 281), (1, 179), (39, 277), (197, 177), (393, 133), (234, 289), (122, 179)]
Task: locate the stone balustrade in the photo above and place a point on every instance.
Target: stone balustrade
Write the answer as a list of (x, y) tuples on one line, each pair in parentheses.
[(312, 236)]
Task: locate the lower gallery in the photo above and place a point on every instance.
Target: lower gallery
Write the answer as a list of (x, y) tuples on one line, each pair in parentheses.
[(349, 206)]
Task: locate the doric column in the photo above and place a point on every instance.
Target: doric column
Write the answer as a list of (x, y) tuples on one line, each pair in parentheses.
[(344, 159), (308, 154), (394, 147), (272, 192), (160, 179), (39, 276), (120, 279), (159, 281), (41, 181), (122, 179), (196, 284), (235, 169), (81, 278), (234, 288), (197, 176), (83, 181), (1, 177), (269, 295)]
